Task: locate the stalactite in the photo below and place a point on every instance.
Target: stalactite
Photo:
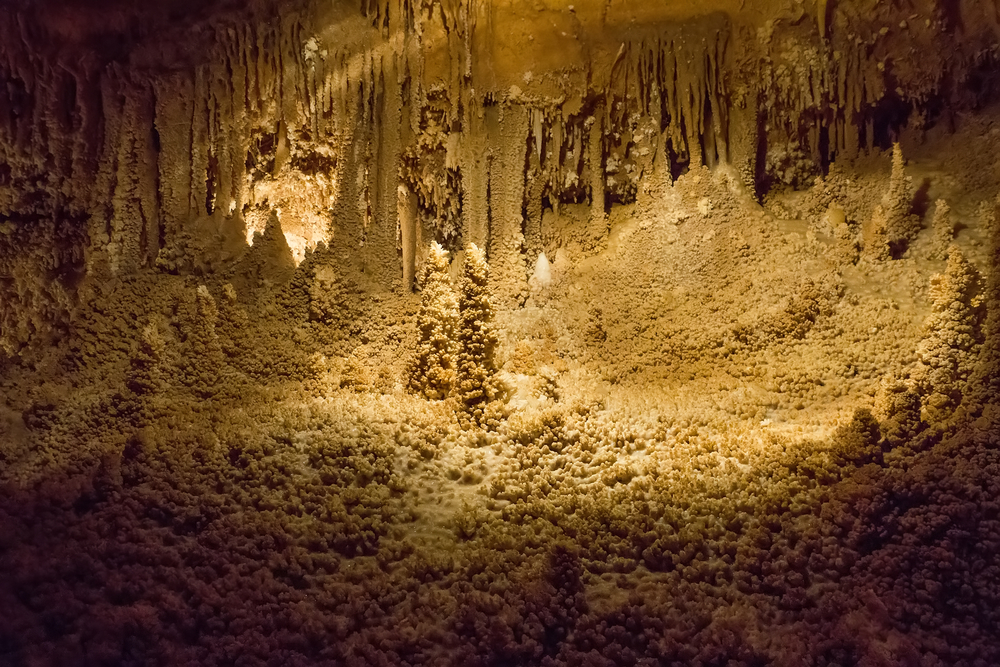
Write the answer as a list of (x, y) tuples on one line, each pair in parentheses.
[(174, 106), (533, 212), (199, 145), (386, 162), (147, 157)]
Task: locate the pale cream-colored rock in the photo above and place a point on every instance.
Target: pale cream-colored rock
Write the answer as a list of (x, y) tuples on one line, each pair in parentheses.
[(668, 455)]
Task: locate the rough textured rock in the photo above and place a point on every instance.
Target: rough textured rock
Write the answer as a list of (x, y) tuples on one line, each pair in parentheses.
[(494, 333), (114, 156)]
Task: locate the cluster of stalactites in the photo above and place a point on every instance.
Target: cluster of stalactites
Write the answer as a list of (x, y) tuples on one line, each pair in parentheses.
[(665, 103)]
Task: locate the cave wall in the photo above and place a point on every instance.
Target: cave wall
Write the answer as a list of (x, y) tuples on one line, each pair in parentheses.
[(132, 139)]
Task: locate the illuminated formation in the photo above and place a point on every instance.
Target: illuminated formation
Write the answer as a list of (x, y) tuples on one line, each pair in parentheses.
[(892, 226), (944, 229), (492, 333), (949, 353), (432, 372), (456, 343), (476, 385), (902, 224)]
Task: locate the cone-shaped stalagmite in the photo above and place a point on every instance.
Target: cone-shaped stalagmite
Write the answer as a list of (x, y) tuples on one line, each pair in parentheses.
[(432, 371), (202, 360), (948, 354), (477, 339), (893, 226)]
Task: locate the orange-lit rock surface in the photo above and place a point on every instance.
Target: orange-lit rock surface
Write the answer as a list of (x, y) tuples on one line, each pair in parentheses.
[(499, 333)]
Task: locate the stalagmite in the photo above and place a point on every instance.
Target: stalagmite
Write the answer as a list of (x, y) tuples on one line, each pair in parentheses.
[(541, 277), (944, 229)]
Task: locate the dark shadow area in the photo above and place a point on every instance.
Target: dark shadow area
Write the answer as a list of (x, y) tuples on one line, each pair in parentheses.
[(921, 199)]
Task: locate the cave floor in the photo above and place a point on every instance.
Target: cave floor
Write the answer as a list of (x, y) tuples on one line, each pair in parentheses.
[(708, 451)]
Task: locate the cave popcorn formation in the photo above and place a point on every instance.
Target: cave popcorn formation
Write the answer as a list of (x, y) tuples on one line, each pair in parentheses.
[(499, 333)]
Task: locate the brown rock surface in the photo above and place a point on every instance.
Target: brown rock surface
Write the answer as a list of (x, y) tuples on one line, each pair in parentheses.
[(694, 374)]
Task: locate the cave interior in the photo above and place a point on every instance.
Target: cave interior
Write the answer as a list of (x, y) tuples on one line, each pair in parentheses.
[(500, 332)]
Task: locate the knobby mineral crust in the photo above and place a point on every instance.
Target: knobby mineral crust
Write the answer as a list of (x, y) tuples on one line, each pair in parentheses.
[(499, 333)]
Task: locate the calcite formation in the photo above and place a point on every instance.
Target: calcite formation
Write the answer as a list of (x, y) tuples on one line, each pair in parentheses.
[(500, 332), (172, 136)]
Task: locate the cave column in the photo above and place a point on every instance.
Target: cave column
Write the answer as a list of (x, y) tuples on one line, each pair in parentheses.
[(174, 110), (508, 129), (475, 177), (406, 203), (745, 121)]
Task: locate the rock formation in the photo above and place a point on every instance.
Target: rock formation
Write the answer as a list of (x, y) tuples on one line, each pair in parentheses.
[(499, 333), (433, 369)]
